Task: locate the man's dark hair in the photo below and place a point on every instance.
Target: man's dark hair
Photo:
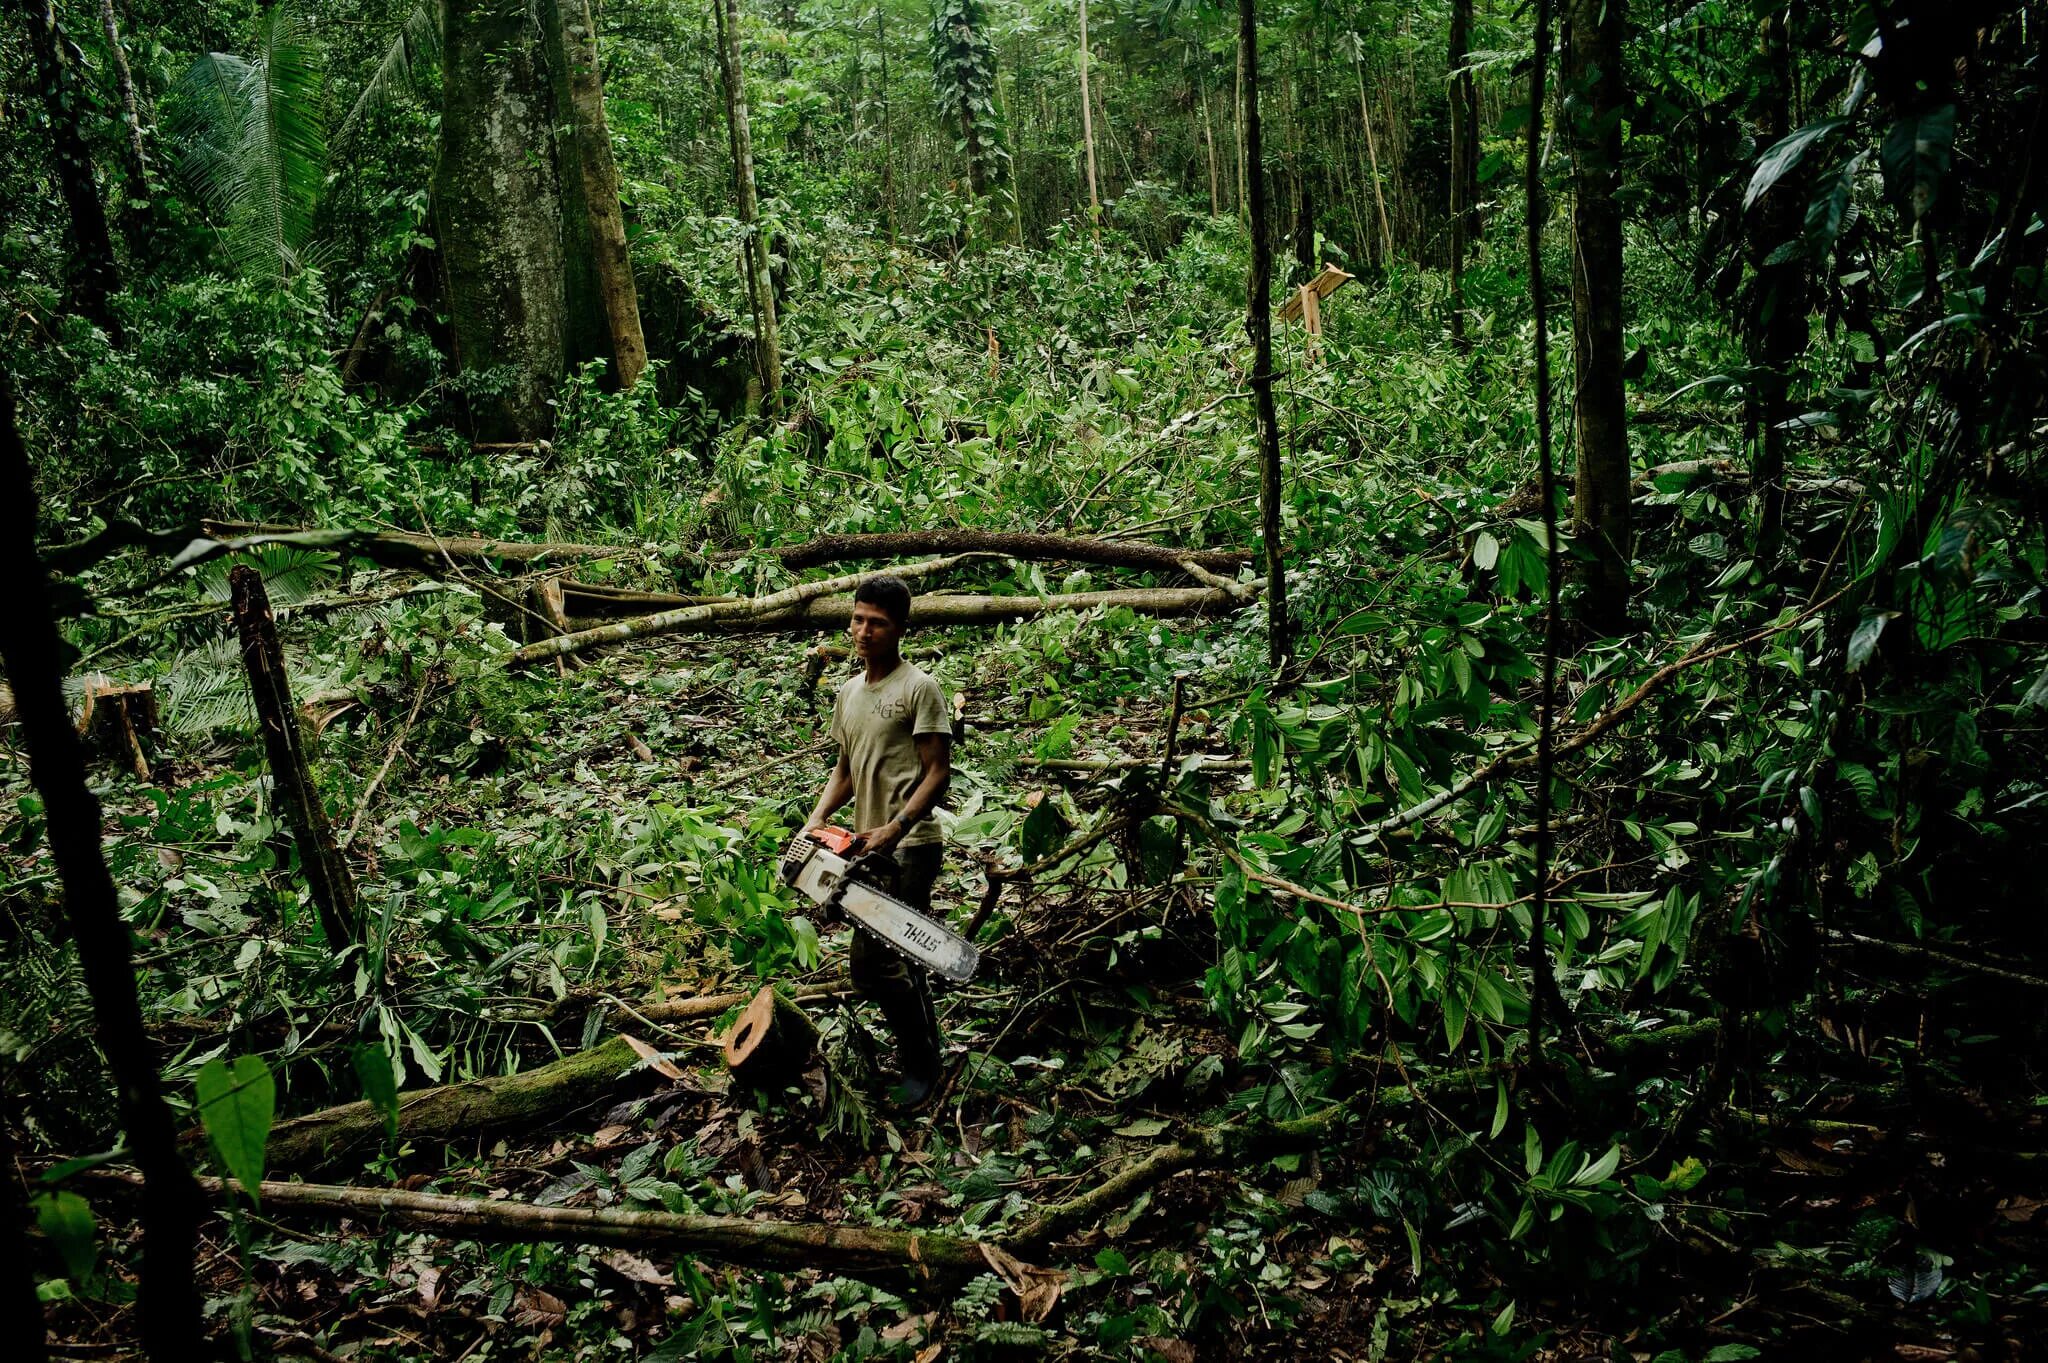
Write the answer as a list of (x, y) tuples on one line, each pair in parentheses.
[(888, 594)]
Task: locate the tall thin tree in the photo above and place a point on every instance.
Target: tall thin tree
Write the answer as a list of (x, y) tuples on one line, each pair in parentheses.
[(92, 276), (1600, 503), (1542, 986), (1774, 321), (1464, 130), (33, 653), (1258, 325), (592, 138), (767, 333), (1088, 131)]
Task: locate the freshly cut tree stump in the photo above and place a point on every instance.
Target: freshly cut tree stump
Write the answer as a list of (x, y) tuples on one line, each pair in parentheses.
[(116, 719), (770, 1045)]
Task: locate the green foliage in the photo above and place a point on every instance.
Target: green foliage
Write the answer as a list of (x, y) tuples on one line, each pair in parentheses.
[(236, 1102)]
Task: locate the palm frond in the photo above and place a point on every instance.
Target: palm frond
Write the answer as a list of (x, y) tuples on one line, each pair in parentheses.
[(291, 574), (205, 689), (254, 141), (416, 46)]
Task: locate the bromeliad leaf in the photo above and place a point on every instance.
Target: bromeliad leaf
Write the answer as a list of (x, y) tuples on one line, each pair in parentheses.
[(236, 1104)]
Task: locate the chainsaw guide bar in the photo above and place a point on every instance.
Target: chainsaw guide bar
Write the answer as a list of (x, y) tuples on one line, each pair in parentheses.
[(819, 868)]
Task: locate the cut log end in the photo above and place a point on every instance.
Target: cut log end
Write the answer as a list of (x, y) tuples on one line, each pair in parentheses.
[(771, 1044)]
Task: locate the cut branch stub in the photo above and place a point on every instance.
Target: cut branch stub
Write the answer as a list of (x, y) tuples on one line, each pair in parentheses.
[(771, 1043)]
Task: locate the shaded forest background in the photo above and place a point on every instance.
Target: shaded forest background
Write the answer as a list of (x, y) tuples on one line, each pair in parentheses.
[(1497, 828)]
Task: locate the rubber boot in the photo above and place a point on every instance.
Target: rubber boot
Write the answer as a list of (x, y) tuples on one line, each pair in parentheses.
[(908, 1011)]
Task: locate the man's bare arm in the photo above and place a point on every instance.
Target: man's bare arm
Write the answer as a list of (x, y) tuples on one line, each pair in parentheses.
[(838, 790)]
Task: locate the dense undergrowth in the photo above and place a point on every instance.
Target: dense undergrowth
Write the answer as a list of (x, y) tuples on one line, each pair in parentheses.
[(1788, 756)]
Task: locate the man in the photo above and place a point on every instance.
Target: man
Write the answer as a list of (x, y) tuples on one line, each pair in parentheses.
[(895, 759)]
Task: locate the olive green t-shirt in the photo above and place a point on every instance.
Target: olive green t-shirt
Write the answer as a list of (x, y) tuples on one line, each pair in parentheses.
[(876, 726)]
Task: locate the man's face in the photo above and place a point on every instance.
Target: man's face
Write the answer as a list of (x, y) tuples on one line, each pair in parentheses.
[(875, 635)]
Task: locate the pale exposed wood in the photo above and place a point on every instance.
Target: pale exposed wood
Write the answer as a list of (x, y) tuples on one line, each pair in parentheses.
[(770, 1043)]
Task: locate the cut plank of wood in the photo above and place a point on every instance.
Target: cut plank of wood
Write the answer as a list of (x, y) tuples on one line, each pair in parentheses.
[(1322, 286)]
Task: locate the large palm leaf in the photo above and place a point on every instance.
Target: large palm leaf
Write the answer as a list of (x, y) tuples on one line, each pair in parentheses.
[(416, 46), (254, 141)]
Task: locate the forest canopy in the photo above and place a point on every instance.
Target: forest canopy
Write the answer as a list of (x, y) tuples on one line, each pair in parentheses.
[(1481, 573)]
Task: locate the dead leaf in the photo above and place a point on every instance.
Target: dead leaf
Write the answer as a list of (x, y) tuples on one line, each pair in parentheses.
[(1038, 1289), (605, 1135), (1928, 1352), (537, 1306), (651, 1056), (1171, 1349), (905, 1328), (633, 1268), (429, 1286)]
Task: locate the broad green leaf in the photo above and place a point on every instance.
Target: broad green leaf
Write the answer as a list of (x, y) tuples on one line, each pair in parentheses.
[(1143, 1127), (236, 1104), (1915, 156), (1485, 551), (1863, 642), (1597, 1171), (68, 1221), (1784, 155), (1041, 832), (380, 1082)]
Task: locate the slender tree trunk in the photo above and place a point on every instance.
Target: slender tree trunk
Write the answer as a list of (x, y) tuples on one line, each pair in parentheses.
[(131, 108), (1237, 117), (888, 131), (332, 887), (767, 335), (1463, 128), (1088, 132), (1209, 144), (593, 141), (33, 653), (1259, 327), (92, 276), (1372, 150), (1542, 982), (1776, 326), (498, 205), (1600, 506)]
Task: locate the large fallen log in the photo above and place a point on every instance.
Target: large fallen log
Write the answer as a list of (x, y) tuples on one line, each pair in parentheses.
[(852, 1251), (432, 553), (834, 613), (1038, 548), (453, 1112)]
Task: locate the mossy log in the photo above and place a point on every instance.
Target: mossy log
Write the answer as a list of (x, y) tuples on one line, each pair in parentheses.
[(868, 1252), (453, 1112), (771, 1043)]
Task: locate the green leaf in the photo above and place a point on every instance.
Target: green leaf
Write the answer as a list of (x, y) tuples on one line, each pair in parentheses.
[(1042, 830), (1159, 848), (380, 1082), (1863, 642), (236, 1104), (1500, 1109), (1732, 1353), (1915, 156), (68, 1221), (1597, 1171), (1784, 155), (1485, 551), (1143, 1127)]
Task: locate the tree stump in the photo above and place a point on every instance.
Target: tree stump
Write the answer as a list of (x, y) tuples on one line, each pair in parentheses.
[(771, 1044), (116, 719)]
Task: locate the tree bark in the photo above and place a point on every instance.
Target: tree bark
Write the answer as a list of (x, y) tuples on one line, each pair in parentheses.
[(92, 277), (1464, 127), (780, 614), (614, 267), (131, 108), (328, 879), (1088, 132), (888, 131), (1259, 328), (453, 1112), (853, 1251), (1775, 330), (767, 333), (771, 1043), (1600, 504), (1039, 548), (33, 653), (498, 206), (1209, 145), (1372, 151)]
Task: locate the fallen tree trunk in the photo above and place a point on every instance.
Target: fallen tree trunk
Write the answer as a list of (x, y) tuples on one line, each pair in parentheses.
[(834, 613), (452, 1112), (432, 553), (853, 1251), (1038, 548)]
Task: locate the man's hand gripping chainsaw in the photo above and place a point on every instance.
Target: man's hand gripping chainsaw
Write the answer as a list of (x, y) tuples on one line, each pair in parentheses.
[(822, 864)]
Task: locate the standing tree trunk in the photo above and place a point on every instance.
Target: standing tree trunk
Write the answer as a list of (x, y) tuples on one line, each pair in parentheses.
[(600, 174), (327, 876), (131, 108), (1600, 504), (1259, 326), (1088, 132), (1209, 144), (92, 276), (1464, 130), (888, 131), (767, 334), (1379, 199), (33, 653), (498, 203), (1774, 331)]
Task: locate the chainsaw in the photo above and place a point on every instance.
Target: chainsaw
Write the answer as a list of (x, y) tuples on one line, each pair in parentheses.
[(819, 864)]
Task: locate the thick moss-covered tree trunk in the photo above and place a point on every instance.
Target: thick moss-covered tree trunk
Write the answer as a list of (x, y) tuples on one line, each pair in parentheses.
[(498, 207), (1600, 502)]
